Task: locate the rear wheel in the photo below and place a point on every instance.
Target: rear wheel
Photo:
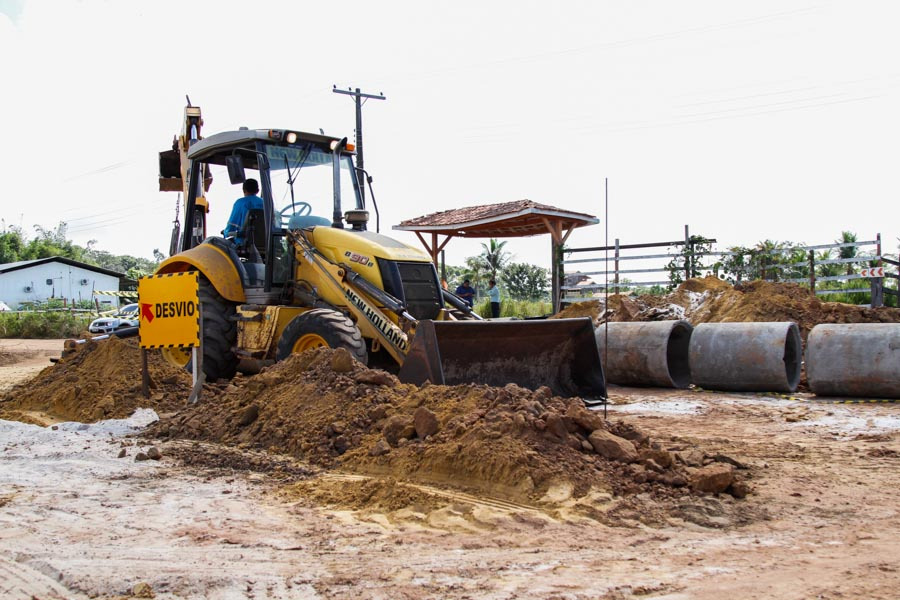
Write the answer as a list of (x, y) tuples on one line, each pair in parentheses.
[(321, 328), (219, 336)]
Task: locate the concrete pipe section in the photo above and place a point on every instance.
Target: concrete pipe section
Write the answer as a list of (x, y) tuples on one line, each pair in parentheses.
[(857, 359), (646, 354), (746, 357)]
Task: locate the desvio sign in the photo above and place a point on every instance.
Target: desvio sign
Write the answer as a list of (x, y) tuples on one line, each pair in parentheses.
[(170, 310)]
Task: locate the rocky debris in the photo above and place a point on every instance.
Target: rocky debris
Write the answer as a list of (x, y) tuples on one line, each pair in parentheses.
[(376, 377), (398, 427), (122, 453), (508, 441), (612, 446), (381, 448), (713, 478), (141, 456), (425, 422), (248, 415), (342, 361), (153, 453), (142, 590)]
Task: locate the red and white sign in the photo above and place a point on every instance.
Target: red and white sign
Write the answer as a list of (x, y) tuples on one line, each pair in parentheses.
[(873, 272)]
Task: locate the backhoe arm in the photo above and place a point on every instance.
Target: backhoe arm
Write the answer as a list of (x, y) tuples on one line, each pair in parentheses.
[(361, 297)]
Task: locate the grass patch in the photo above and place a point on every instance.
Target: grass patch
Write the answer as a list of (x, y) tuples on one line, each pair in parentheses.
[(43, 325)]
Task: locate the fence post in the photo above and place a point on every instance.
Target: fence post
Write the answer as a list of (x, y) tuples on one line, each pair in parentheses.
[(877, 283), (812, 272), (877, 286), (687, 256), (616, 268)]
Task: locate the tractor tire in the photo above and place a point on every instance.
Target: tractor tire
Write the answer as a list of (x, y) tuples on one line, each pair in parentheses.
[(219, 334), (321, 327)]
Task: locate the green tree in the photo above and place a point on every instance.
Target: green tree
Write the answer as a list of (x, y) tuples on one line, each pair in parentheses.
[(689, 260), (12, 244), (525, 282), (848, 237), (831, 270), (494, 257)]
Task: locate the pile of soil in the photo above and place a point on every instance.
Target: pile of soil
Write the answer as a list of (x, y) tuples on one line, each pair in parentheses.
[(510, 442), (589, 308), (711, 300), (97, 380)]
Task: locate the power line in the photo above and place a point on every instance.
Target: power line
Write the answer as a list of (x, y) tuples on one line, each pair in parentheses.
[(358, 96)]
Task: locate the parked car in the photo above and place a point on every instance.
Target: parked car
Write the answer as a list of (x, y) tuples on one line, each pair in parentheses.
[(126, 317)]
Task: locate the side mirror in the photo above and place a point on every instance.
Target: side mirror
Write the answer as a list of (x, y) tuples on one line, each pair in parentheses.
[(235, 165)]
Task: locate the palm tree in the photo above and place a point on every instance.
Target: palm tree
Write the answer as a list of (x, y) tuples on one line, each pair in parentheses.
[(493, 257), (848, 237)]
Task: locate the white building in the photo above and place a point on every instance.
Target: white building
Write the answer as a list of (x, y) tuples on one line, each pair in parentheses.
[(55, 277)]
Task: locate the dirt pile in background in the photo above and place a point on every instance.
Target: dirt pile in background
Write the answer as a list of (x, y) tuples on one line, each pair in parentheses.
[(7, 358), (589, 308), (99, 380), (711, 300), (510, 442)]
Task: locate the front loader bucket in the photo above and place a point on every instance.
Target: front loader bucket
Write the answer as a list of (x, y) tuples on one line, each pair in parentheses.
[(558, 353)]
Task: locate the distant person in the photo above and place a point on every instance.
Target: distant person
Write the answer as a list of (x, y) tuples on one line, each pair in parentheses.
[(242, 207), (466, 292), (494, 295)]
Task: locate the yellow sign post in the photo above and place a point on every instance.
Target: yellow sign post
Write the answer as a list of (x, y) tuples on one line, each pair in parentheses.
[(170, 318)]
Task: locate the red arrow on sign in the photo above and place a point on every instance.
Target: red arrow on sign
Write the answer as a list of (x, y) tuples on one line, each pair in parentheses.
[(146, 311), (872, 272)]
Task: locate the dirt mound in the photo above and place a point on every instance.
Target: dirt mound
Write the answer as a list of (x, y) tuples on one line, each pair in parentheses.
[(99, 380), (509, 442), (589, 308), (710, 300), (7, 358)]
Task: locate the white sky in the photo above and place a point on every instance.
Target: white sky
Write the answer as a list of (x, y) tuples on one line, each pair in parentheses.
[(745, 120)]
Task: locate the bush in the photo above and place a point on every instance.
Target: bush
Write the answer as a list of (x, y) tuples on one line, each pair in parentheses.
[(514, 308), (42, 325)]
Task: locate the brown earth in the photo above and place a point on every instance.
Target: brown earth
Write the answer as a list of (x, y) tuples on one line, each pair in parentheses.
[(98, 380), (520, 445), (210, 520), (711, 300)]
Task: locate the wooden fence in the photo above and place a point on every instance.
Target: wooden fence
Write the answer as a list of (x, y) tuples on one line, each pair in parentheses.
[(695, 256)]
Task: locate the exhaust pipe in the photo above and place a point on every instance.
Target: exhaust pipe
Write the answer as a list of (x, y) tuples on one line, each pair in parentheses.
[(857, 359), (746, 357), (653, 353)]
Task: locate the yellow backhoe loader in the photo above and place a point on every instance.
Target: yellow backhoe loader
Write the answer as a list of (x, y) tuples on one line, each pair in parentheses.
[(298, 281)]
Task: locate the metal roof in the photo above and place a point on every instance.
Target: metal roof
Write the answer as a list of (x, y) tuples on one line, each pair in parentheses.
[(24, 264), (519, 218)]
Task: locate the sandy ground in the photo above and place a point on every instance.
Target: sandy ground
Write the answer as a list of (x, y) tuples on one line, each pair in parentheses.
[(822, 522), (32, 355)]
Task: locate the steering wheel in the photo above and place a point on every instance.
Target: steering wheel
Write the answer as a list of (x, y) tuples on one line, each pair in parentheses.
[(299, 208)]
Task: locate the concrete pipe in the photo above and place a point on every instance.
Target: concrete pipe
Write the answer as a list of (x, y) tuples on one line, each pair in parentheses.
[(646, 354), (746, 357), (857, 359)]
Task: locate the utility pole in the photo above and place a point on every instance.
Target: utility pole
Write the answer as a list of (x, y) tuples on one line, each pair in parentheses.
[(358, 97)]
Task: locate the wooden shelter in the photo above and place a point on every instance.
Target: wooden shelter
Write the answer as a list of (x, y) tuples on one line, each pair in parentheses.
[(521, 218)]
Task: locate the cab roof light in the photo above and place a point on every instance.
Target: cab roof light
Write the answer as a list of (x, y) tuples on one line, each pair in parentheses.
[(290, 137), (275, 134)]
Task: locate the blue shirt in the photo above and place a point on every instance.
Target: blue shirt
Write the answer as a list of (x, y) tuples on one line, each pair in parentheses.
[(494, 294), (466, 292), (242, 207)]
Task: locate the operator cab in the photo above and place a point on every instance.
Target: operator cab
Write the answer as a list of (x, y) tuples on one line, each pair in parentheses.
[(303, 181)]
